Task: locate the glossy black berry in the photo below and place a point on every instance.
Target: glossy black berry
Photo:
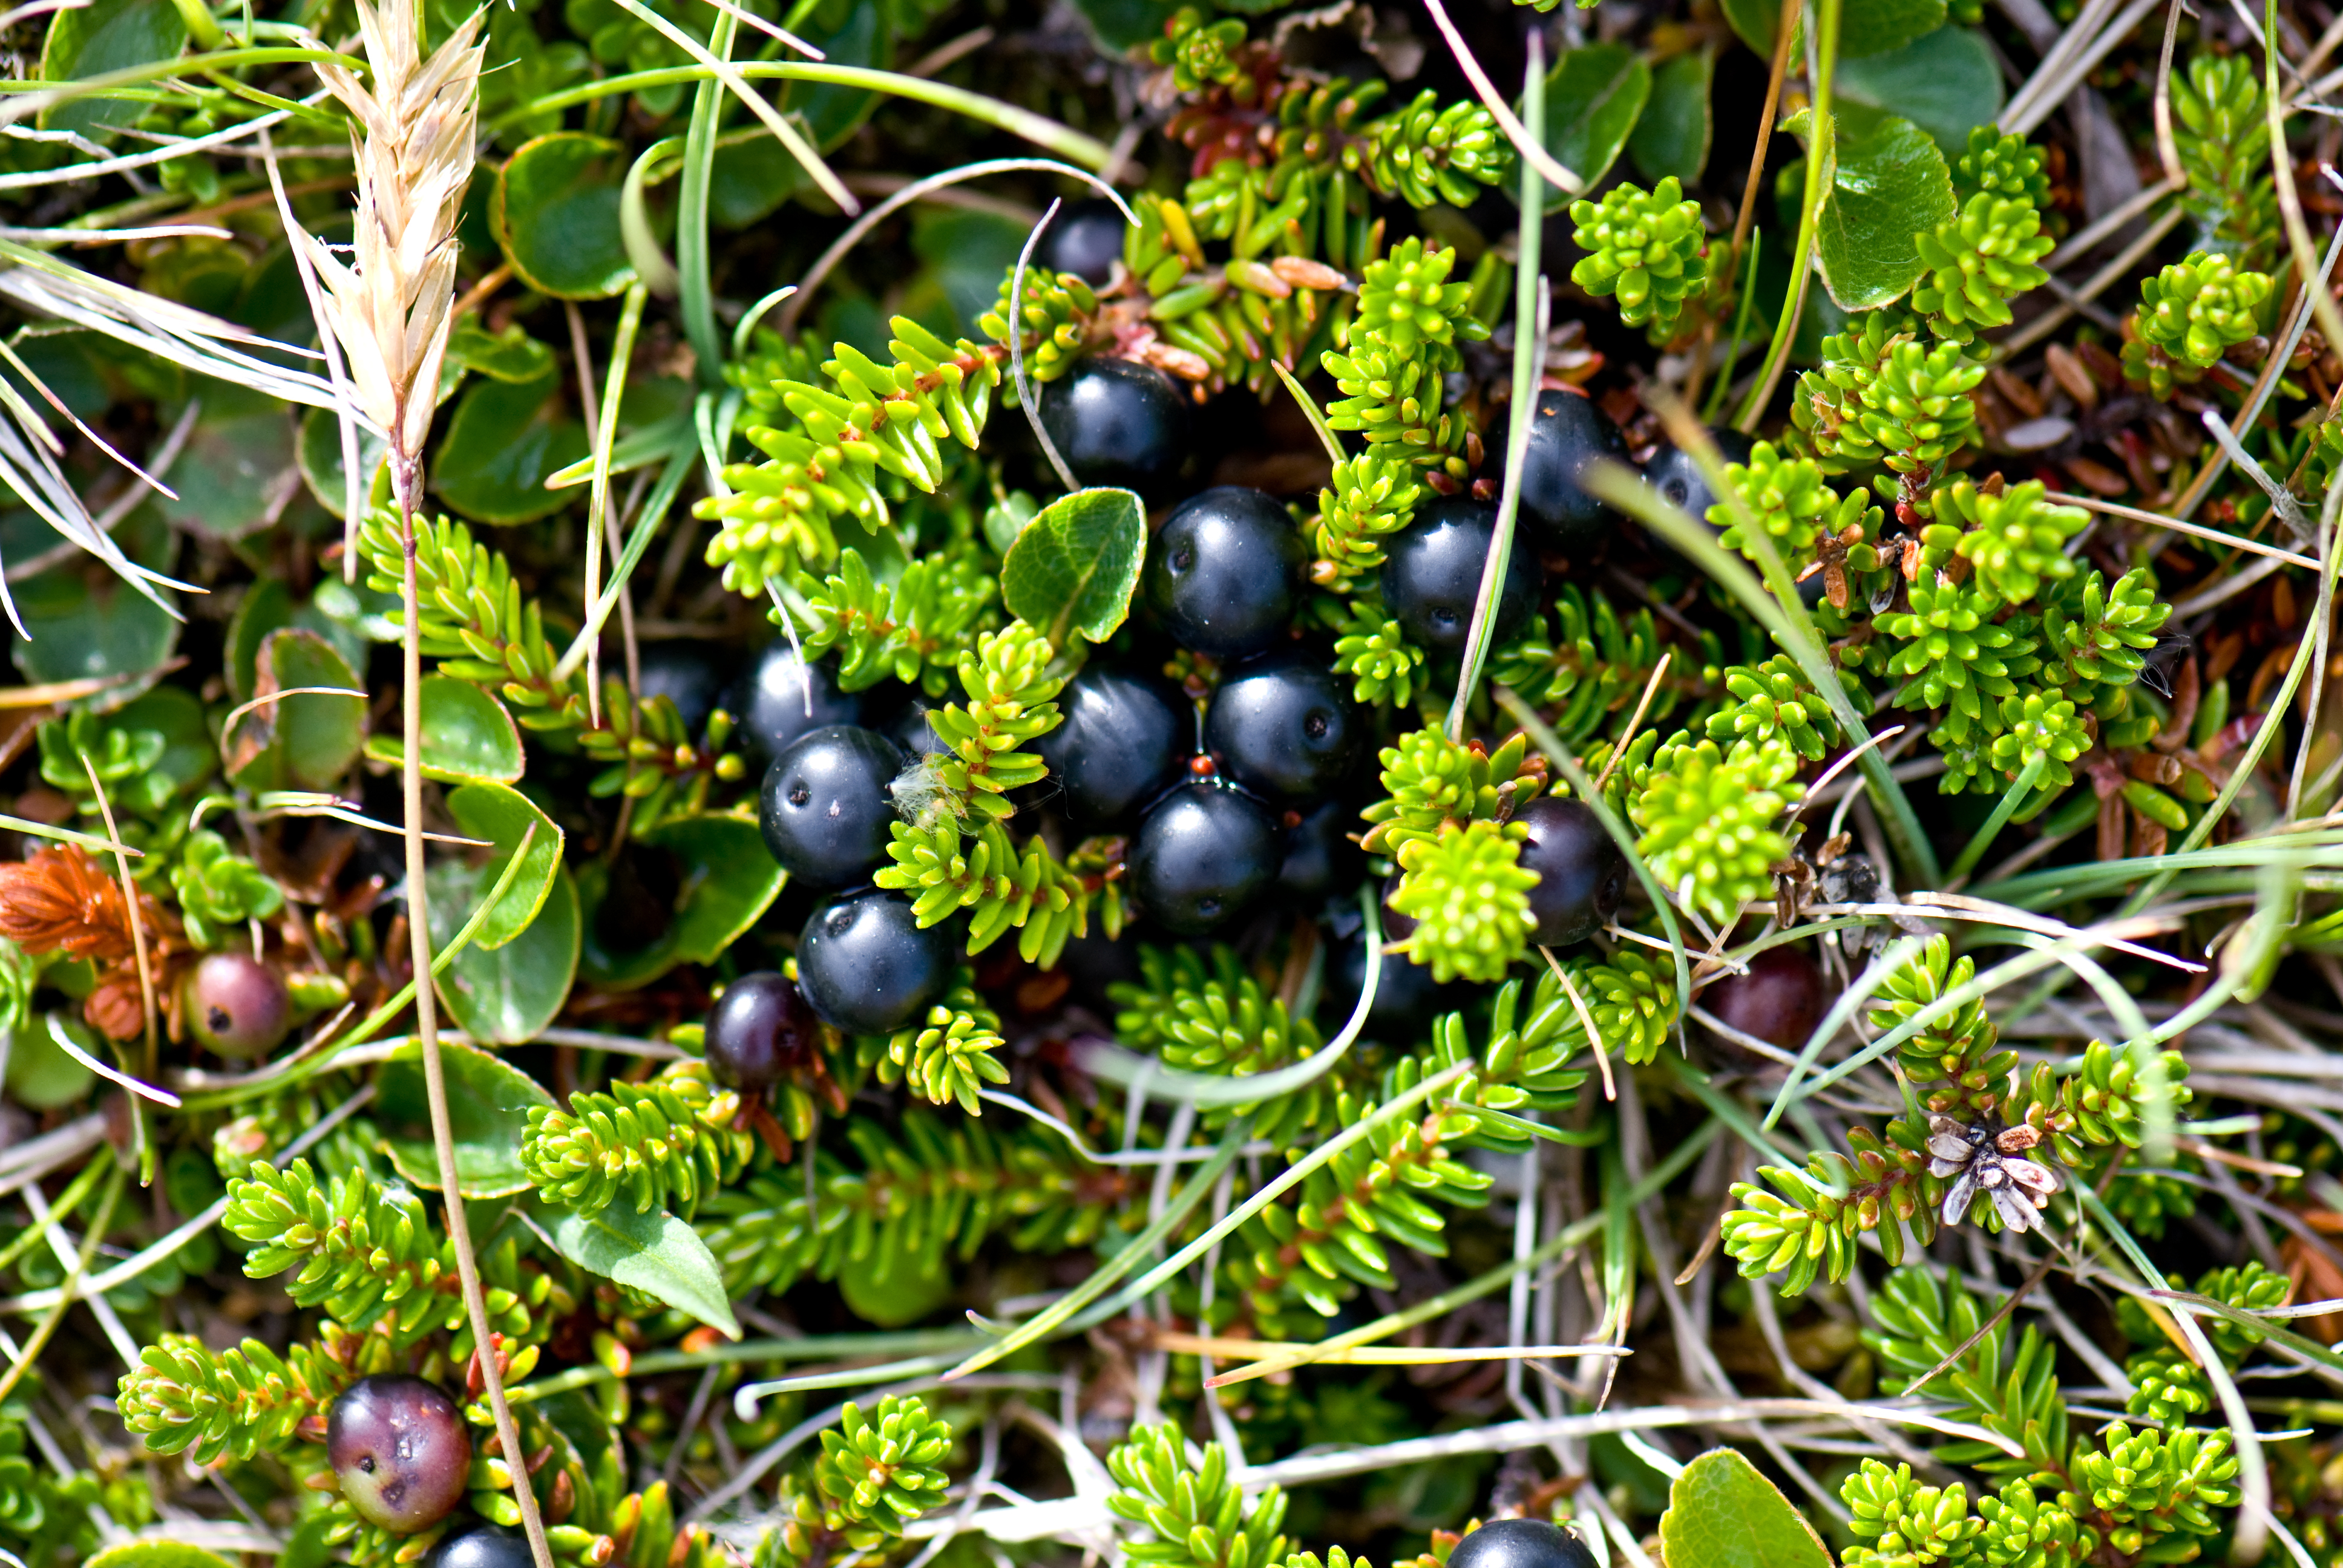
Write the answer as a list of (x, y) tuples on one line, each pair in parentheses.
[(401, 1451), (865, 967), (1117, 422), (1119, 742), (1569, 436), (758, 1029), (1203, 855), (1223, 573), (1431, 574), (1678, 479), (1283, 725), (486, 1547), (1521, 1544), (235, 1005), (1581, 875), (782, 699), (825, 810), (1321, 858), (911, 730), (1086, 240), (1779, 1000), (687, 674)]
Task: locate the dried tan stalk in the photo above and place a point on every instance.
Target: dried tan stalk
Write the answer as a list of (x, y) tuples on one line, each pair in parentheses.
[(390, 309)]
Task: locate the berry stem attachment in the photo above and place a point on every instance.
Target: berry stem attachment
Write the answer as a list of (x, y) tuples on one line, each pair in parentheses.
[(1533, 303)]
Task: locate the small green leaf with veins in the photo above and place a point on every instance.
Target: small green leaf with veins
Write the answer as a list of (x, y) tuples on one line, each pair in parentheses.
[(487, 1116), (1876, 27), (656, 1253), (1888, 183), (1595, 94), (1073, 568), (1723, 1514), (1946, 83)]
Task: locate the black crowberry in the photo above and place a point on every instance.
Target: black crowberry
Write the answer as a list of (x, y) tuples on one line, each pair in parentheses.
[(486, 1547), (825, 809), (1223, 572), (1203, 853), (688, 675), (1521, 1544), (1779, 1000), (758, 1029), (1581, 875), (1120, 743), (780, 698), (400, 1448), (1320, 857), (1117, 422), (1678, 479), (1431, 574), (1283, 725), (911, 730), (865, 967), (235, 1005), (1568, 437), (1085, 239)]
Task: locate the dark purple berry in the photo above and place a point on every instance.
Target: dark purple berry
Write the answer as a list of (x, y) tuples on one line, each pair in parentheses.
[(910, 729), (401, 1451), (1569, 436), (1223, 573), (1121, 741), (1117, 422), (1779, 1000), (1320, 857), (825, 809), (1678, 479), (1431, 574), (865, 967), (1581, 875), (687, 674), (782, 699), (235, 1005), (1086, 240), (758, 1029), (1283, 725), (1521, 1544), (486, 1547), (1205, 852)]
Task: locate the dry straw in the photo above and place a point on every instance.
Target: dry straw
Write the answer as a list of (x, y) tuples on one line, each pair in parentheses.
[(389, 307)]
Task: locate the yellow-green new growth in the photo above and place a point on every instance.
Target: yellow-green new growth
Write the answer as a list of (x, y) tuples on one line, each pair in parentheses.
[(1468, 894), (2190, 316), (1644, 247)]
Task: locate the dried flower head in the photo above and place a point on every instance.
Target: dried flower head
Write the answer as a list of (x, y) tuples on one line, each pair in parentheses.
[(1986, 1157), (60, 900), (389, 307)]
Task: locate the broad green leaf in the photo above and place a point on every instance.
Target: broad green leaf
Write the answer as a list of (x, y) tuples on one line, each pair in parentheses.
[(488, 1114), (467, 735), (86, 623), (1005, 519), (157, 1555), (297, 742), (1594, 96), (512, 355), (892, 1286), (506, 995), (1723, 1514), (1880, 27), (503, 816), (41, 1075), (555, 214), (1946, 84), (727, 879), (1073, 568), (752, 176), (1119, 23), (320, 452), (829, 112), (188, 755), (1888, 183), (1755, 21), (655, 1252), (236, 472), (1672, 138), (106, 36), (503, 440), (266, 606)]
